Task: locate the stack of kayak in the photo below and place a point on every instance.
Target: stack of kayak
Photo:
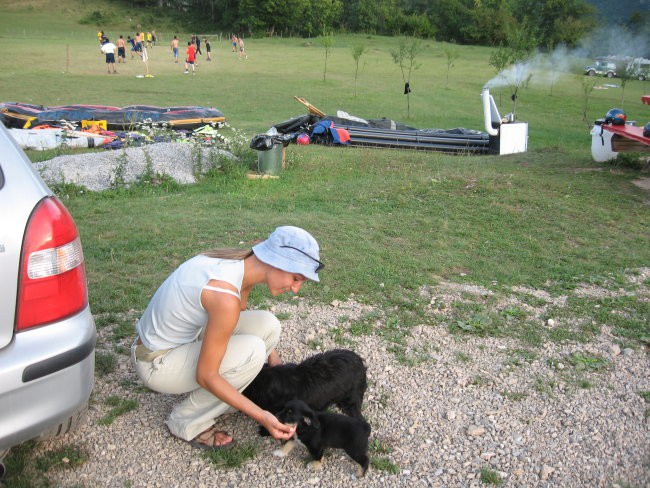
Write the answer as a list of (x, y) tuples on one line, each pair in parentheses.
[(40, 128), (25, 116)]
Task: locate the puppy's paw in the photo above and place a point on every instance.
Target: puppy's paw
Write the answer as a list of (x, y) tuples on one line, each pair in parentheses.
[(286, 448), (316, 465)]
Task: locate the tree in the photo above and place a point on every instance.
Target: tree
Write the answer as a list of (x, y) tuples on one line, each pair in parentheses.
[(557, 21), (357, 51), (452, 55), (588, 84), (489, 21), (628, 72), (303, 17), (452, 19), (328, 43), (521, 42), (405, 56)]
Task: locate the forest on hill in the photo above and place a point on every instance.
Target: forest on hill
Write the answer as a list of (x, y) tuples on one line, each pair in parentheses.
[(547, 23)]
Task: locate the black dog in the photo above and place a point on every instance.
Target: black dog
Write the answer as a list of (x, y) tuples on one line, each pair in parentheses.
[(336, 377), (320, 430)]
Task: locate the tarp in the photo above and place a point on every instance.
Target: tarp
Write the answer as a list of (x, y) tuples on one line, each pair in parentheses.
[(383, 133)]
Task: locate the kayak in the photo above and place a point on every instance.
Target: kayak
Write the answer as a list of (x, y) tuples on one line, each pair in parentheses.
[(42, 139)]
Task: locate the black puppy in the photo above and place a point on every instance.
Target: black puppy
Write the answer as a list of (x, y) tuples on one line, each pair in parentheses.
[(320, 430), (336, 377)]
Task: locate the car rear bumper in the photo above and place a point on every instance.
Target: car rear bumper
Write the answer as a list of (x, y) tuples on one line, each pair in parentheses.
[(46, 375)]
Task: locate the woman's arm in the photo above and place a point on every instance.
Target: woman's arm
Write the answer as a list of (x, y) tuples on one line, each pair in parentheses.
[(223, 313)]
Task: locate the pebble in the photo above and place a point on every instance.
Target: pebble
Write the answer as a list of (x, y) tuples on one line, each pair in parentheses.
[(545, 472), (434, 431), (475, 430)]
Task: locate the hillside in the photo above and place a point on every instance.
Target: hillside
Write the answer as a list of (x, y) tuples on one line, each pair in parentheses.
[(619, 12)]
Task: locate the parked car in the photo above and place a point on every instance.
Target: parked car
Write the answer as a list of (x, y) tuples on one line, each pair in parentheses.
[(47, 333), (640, 68), (601, 68)]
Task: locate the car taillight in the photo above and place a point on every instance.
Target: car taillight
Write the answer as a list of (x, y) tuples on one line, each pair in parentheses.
[(52, 284)]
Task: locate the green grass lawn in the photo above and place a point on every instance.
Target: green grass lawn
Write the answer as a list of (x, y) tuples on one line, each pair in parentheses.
[(399, 219), (392, 224)]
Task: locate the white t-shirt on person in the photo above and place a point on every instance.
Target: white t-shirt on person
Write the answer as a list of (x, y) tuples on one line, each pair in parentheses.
[(108, 48), (175, 314)]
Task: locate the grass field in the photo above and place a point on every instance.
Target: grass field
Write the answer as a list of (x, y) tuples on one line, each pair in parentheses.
[(392, 224), (402, 219)]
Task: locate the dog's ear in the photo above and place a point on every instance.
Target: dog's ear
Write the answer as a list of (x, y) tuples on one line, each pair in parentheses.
[(310, 419)]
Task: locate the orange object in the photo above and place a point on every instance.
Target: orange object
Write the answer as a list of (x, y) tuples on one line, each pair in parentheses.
[(93, 125), (344, 135)]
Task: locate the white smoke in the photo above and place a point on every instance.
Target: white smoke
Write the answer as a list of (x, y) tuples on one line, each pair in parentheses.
[(616, 41), (545, 68), (541, 68)]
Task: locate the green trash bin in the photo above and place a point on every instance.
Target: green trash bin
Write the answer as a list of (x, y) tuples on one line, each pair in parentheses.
[(270, 162)]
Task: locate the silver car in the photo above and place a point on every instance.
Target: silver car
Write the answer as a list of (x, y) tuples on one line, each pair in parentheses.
[(47, 333)]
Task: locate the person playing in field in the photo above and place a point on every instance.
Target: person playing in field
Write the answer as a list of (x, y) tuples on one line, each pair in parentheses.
[(175, 48), (108, 48), (208, 48), (234, 43), (190, 58), (131, 42), (121, 50), (242, 49), (139, 44), (196, 335)]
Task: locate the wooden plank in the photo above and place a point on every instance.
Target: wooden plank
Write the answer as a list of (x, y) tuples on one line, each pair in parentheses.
[(623, 144), (312, 110)]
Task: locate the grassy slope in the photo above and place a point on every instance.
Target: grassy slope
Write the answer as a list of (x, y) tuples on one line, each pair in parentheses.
[(59, 62), (399, 218)]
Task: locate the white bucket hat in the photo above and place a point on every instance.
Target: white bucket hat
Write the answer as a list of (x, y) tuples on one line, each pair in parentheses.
[(291, 249)]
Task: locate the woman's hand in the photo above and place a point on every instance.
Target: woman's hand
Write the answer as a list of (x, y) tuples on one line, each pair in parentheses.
[(277, 429)]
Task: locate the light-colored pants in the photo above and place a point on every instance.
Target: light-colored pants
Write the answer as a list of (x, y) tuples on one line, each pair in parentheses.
[(256, 335)]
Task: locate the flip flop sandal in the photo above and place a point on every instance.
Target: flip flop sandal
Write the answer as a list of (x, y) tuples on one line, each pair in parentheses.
[(206, 446)]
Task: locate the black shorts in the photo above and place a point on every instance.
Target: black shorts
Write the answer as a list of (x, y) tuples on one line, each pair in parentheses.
[(110, 58), (121, 52)]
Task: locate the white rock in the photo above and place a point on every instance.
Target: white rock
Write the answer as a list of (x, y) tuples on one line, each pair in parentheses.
[(545, 472), (476, 430)]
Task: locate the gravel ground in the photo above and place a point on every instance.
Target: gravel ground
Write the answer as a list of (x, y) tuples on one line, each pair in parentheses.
[(97, 170), (472, 403)]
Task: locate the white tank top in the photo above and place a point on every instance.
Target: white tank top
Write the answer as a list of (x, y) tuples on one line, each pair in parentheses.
[(175, 314)]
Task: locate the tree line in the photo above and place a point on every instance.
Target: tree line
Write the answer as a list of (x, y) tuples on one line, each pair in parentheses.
[(481, 22)]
